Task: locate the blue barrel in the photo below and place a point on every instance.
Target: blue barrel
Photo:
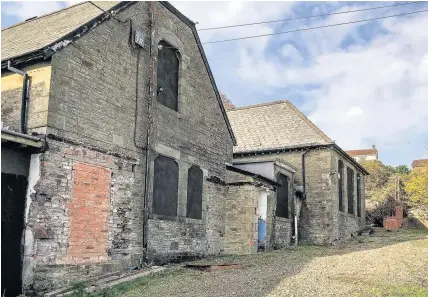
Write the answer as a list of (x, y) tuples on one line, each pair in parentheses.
[(261, 234)]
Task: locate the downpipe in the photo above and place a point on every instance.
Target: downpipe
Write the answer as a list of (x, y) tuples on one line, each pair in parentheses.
[(24, 96)]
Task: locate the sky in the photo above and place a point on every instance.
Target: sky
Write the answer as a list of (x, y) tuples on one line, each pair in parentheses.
[(363, 84)]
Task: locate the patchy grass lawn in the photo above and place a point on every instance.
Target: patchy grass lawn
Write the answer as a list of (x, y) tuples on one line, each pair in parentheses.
[(384, 264)]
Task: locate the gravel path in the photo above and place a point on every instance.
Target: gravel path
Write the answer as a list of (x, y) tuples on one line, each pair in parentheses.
[(386, 264)]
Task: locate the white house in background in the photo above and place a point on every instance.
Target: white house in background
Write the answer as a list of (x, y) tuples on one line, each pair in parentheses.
[(366, 154)]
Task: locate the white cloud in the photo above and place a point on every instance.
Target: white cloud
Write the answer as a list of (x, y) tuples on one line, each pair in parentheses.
[(375, 90), (28, 9), (369, 83), (355, 111)]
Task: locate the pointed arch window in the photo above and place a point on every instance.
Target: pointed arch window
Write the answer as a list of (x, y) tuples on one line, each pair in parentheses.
[(167, 75), (194, 192)]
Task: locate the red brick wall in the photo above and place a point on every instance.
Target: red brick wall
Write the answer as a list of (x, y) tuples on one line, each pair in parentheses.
[(89, 212)]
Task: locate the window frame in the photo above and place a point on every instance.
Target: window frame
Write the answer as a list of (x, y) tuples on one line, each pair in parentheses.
[(283, 212), (179, 60), (350, 181), (158, 202), (199, 199), (341, 175)]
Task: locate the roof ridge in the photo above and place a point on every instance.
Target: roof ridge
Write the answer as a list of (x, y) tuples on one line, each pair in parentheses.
[(309, 122), (371, 149), (44, 15), (258, 105)]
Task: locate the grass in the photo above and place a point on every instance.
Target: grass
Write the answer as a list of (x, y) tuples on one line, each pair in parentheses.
[(120, 289), (175, 277)]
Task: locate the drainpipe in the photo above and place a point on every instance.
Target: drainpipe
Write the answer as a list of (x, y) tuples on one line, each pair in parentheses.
[(24, 97), (150, 122), (296, 231), (303, 174)]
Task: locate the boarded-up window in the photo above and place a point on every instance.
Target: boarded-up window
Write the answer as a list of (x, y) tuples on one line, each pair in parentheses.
[(358, 195), (350, 183), (165, 187), (194, 193), (167, 75), (282, 197), (341, 177)]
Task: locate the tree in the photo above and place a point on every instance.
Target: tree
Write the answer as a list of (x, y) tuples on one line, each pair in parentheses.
[(416, 186), (379, 174), (228, 105), (402, 170)]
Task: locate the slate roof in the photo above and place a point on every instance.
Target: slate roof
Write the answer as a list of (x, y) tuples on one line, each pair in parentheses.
[(366, 152), (420, 163), (273, 125), (34, 39), (35, 34)]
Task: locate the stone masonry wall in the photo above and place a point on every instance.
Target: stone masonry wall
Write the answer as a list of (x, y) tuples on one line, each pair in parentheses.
[(73, 180), (316, 223), (11, 93), (98, 100), (320, 221), (282, 232), (241, 219), (346, 223)]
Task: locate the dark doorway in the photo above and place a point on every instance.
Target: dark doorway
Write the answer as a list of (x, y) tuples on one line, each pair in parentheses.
[(13, 190)]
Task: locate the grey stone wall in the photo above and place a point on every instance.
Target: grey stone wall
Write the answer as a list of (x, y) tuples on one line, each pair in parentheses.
[(320, 220), (98, 104), (315, 222), (38, 92), (49, 222), (346, 223), (282, 233), (241, 219)]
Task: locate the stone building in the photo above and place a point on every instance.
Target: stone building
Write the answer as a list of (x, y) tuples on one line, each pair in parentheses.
[(365, 154), (257, 206), (114, 144), (333, 205)]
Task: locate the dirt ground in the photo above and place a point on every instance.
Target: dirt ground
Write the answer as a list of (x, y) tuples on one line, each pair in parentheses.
[(383, 264)]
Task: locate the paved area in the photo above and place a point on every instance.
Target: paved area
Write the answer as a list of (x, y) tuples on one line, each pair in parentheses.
[(384, 264)]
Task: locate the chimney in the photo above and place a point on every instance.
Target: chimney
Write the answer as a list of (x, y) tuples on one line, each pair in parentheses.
[(373, 146)]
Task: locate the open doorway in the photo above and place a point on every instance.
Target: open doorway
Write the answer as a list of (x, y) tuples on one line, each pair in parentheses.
[(13, 191), (14, 179)]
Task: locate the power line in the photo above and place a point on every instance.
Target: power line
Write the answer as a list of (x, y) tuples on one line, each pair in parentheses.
[(306, 17), (313, 28)]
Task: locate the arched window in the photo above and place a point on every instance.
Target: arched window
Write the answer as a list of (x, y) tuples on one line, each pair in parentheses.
[(167, 75), (165, 187), (194, 192), (282, 197)]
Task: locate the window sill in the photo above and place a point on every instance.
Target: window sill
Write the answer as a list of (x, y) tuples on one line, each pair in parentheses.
[(166, 109), (175, 219)]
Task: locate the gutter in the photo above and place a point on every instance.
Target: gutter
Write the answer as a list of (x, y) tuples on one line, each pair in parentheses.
[(253, 175), (25, 140), (302, 147), (24, 96)]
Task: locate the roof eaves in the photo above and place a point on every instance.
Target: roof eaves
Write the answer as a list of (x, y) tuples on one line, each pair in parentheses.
[(350, 159), (65, 40), (281, 149), (253, 175), (191, 24)]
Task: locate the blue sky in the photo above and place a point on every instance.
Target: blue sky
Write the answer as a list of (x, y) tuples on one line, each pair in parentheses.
[(362, 84)]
